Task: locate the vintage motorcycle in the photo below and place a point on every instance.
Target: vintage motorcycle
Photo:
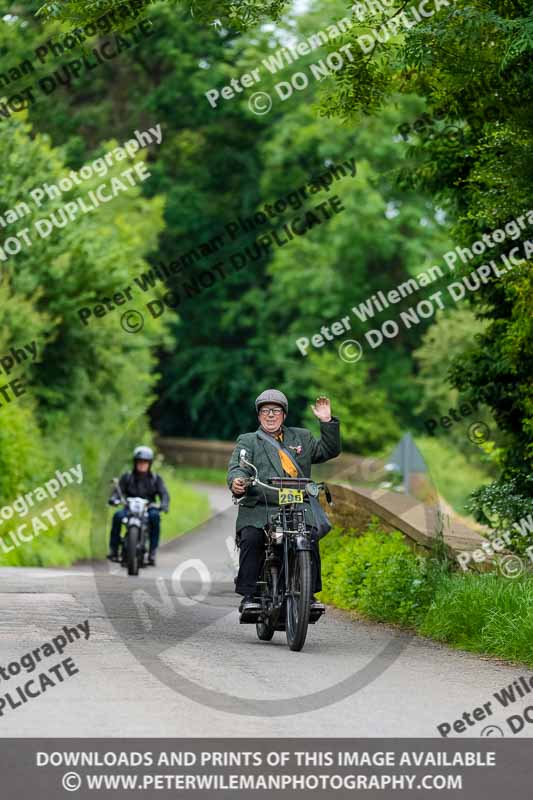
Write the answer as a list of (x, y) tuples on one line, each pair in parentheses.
[(137, 523), (285, 586)]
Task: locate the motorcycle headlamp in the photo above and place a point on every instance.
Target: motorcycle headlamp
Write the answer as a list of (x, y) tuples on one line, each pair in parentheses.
[(312, 489), (136, 505)]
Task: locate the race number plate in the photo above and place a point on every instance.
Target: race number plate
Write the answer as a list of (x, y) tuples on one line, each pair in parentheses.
[(287, 496)]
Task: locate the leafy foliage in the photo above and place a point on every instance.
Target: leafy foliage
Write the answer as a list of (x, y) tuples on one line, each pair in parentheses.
[(449, 336), (502, 506), (362, 432), (69, 541), (219, 349), (80, 383), (376, 573), (238, 15), (466, 60)]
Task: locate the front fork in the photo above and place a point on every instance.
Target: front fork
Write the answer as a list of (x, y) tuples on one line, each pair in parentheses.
[(299, 541), (144, 533), (286, 564)]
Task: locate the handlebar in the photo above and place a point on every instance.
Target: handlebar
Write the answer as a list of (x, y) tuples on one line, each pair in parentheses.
[(276, 483), (251, 481), (289, 483), (116, 485)]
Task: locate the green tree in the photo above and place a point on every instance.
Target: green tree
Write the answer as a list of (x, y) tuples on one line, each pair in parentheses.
[(472, 64), (242, 335), (86, 382), (239, 14), (453, 332), (367, 423)]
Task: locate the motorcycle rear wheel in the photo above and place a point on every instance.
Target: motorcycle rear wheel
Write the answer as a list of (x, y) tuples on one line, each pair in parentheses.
[(299, 599), (131, 550), (266, 628)]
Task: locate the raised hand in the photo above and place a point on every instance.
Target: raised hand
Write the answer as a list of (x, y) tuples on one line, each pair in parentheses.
[(322, 409)]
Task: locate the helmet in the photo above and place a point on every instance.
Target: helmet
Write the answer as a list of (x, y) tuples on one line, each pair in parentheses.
[(143, 454), (272, 396)]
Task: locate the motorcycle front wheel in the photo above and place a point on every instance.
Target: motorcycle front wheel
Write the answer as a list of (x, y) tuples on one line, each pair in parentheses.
[(132, 554), (299, 599)]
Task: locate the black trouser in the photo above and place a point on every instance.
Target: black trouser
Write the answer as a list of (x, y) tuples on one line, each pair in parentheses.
[(251, 542)]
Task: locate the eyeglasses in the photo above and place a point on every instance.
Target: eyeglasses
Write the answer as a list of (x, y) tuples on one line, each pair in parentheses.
[(276, 412)]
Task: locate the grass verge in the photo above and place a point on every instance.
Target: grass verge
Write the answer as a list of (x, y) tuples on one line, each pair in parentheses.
[(66, 542), (485, 614), (380, 576)]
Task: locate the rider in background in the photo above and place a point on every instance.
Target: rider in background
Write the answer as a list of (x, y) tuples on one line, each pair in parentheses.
[(141, 482), (254, 511)]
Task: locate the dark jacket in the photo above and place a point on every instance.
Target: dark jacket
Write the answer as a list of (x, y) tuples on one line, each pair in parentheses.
[(143, 484), (253, 509)]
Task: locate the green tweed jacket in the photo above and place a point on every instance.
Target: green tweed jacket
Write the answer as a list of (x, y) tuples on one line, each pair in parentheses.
[(258, 505)]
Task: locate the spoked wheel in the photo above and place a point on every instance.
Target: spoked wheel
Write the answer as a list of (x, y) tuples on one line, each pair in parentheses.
[(266, 629), (299, 599), (131, 550)]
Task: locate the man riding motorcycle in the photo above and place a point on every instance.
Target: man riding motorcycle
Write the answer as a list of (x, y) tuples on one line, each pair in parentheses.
[(141, 482), (255, 508)]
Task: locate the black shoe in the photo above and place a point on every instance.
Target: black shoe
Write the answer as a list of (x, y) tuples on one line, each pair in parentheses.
[(151, 559), (316, 605), (113, 556), (248, 603)]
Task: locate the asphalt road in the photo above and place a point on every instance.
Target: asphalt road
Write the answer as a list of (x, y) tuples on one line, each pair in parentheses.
[(167, 657)]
